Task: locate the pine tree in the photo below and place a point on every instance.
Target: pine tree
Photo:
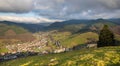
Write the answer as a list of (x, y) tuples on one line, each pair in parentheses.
[(106, 37)]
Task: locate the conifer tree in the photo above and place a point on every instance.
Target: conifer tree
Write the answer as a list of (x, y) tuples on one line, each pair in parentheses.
[(106, 37)]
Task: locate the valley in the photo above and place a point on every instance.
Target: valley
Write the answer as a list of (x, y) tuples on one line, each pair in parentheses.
[(59, 32), (65, 38)]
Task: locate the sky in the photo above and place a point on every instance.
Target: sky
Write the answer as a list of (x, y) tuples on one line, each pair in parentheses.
[(38, 11)]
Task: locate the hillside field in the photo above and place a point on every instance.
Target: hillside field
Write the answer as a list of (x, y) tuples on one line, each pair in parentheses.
[(106, 56)]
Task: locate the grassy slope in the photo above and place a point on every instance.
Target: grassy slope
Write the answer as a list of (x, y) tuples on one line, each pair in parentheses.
[(78, 39), (69, 40), (117, 37), (17, 29), (107, 56), (3, 48)]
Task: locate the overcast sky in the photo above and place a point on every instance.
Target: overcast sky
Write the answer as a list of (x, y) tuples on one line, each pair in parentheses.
[(36, 11)]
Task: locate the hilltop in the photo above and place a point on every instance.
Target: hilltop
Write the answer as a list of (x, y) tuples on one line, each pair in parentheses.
[(12, 31)]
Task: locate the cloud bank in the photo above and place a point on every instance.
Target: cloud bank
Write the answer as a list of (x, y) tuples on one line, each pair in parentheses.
[(26, 19), (77, 8), (16, 6), (64, 9)]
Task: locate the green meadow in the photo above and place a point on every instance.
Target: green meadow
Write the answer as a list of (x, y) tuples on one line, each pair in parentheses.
[(106, 56)]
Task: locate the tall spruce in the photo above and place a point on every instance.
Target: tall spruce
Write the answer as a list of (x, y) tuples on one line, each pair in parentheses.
[(106, 37)]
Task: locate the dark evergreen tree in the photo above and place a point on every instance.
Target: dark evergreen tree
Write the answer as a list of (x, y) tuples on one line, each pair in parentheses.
[(106, 37)]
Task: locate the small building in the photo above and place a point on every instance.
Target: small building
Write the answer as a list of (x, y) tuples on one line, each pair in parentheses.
[(92, 45)]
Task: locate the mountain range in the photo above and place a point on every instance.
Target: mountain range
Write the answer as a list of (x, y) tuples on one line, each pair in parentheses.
[(69, 25)]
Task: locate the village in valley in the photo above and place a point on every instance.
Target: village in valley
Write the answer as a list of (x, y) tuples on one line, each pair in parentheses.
[(40, 46)]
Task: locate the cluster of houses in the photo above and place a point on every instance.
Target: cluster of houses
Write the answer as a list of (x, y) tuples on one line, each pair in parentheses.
[(29, 46), (28, 49), (25, 49)]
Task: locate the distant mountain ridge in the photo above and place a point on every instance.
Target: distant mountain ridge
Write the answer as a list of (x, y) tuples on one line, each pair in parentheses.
[(83, 25), (75, 25), (29, 27)]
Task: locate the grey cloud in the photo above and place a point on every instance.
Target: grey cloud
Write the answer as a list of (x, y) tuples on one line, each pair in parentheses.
[(16, 6), (65, 9), (111, 4)]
